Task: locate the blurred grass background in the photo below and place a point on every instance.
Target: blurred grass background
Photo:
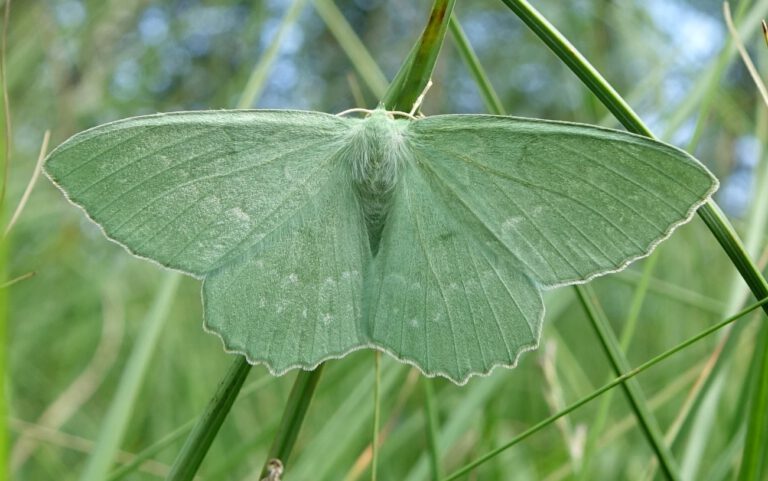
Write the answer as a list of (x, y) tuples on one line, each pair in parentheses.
[(73, 64)]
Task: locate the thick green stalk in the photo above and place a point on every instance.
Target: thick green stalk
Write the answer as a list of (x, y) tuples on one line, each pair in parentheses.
[(293, 416), (631, 387), (619, 380), (413, 77), (199, 441)]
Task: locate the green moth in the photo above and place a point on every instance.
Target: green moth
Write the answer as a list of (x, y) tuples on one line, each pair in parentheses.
[(428, 238)]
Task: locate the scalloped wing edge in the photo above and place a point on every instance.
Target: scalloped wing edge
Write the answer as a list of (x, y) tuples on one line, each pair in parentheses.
[(369, 345)]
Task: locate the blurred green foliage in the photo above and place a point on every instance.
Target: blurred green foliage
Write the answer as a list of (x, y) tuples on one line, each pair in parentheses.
[(72, 64)]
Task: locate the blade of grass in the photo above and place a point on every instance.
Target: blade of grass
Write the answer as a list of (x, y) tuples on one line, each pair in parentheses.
[(765, 31), (150, 451), (697, 99), (743, 52), (414, 76), (464, 417), (710, 88), (467, 53), (6, 105), (673, 291), (4, 472), (407, 385), (348, 40), (712, 388), (617, 381), (200, 439), (116, 421), (376, 415), (351, 416), (255, 84), (722, 467), (4, 245), (432, 428), (753, 457), (757, 421), (631, 387), (16, 279), (295, 410), (30, 185), (628, 331)]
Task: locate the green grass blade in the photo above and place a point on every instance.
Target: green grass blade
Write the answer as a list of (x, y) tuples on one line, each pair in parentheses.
[(463, 418), (753, 458), (352, 415), (467, 53), (413, 77), (376, 415), (348, 40), (151, 451), (579, 65), (693, 101), (723, 466), (3, 358), (673, 292), (631, 387), (701, 418), (619, 380), (114, 425), (293, 416), (200, 439), (628, 331), (255, 85), (729, 240), (432, 428)]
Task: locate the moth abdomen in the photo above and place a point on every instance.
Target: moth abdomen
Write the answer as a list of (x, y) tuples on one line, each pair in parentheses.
[(376, 150)]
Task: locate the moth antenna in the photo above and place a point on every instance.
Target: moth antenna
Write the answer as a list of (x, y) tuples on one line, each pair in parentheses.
[(404, 114), (349, 111), (420, 98)]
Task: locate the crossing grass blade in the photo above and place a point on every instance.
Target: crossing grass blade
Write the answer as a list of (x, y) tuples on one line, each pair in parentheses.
[(616, 382)]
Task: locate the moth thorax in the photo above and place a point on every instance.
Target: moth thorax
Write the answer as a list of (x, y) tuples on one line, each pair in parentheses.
[(377, 147), (376, 153)]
